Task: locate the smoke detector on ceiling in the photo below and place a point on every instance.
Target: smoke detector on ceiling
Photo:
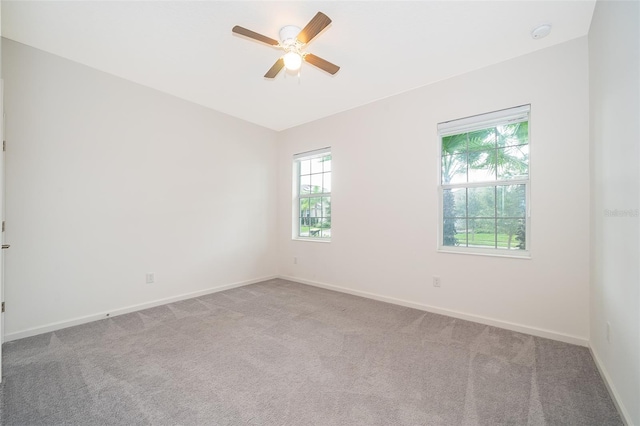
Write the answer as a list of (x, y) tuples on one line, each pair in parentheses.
[(540, 31)]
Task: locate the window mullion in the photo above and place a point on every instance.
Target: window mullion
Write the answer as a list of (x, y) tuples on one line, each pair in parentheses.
[(486, 183)]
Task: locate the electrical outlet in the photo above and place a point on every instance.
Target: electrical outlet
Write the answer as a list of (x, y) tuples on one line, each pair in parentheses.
[(436, 281), (151, 278), (608, 332), (295, 260)]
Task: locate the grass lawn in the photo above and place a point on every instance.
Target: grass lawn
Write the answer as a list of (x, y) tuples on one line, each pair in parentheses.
[(486, 240), (314, 231)]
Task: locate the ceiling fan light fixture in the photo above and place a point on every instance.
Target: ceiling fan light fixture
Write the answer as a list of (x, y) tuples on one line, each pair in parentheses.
[(293, 41), (292, 60)]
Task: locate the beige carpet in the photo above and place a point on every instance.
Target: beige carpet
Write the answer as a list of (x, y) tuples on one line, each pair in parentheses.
[(282, 353)]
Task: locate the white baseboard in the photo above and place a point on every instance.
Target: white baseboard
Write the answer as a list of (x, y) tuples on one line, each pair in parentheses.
[(553, 335), (102, 315), (615, 397), (461, 315), (455, 314)]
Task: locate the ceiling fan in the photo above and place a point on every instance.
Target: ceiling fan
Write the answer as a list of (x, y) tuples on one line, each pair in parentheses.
[(292, 41)]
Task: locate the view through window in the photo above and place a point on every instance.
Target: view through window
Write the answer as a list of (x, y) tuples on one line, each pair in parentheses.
[(485, 183), (313, 194)]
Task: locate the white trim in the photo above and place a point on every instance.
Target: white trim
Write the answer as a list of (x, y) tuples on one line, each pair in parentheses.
[(456, 314), (311, 154), (484, 251), (615, 397), (534, 331), (120, 311), (481, 121), (311, 240), (297, 196), (539, 332), (485, 183)]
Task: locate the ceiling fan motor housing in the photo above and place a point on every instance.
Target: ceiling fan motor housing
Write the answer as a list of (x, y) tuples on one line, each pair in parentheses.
[(288, 35)]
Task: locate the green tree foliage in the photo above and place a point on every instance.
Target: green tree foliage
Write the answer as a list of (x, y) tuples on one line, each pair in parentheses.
[(495, 153), (311, 205), (521, 236), (449, 224)]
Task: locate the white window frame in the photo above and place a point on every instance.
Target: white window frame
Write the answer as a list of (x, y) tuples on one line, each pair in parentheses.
[(469, 124), (297, 158)]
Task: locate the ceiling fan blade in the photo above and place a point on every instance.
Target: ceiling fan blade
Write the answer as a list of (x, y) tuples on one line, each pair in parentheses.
[(275, 69), (321, 63), (254, 35), (313, 28)]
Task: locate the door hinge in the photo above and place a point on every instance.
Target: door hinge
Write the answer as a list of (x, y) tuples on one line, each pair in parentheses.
[(2, 307), (4, 145), (3, 226)]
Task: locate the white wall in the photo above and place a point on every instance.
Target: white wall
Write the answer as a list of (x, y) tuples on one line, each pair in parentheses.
[(614, 71), (108, 180), (385, 198)]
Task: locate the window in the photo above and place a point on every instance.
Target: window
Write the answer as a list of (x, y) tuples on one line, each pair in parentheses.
[(312, 192), (484, 183)]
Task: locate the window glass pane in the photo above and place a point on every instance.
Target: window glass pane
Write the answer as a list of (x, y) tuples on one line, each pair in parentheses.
[(304, 211), (314, 209), (325, 224), (461, 232), (326, 164), (482, 233), (482, 209), (454, 168), (326, 207), (316, 165), (454, 144), (511, 201), (303, 228), (450, 233), (315, 230), (482, 202), (316, 183), (310, 216), (454, 202), (482, 140), (460, 199), (513, 162), (305, 184), (326, 182), (305, 167), (513, 134), (482, 166), (509, 233)]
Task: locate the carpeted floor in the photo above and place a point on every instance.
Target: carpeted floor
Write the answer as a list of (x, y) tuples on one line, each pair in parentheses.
[(282, 353)]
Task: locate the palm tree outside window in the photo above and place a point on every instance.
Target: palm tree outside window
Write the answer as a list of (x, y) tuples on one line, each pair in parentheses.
[(484, 183)]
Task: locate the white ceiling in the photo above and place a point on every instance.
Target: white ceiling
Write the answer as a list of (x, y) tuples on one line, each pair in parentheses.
[(186, 48)]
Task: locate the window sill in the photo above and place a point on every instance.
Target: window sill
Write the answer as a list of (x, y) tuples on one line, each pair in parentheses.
[(311, 240), (526, 255)]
